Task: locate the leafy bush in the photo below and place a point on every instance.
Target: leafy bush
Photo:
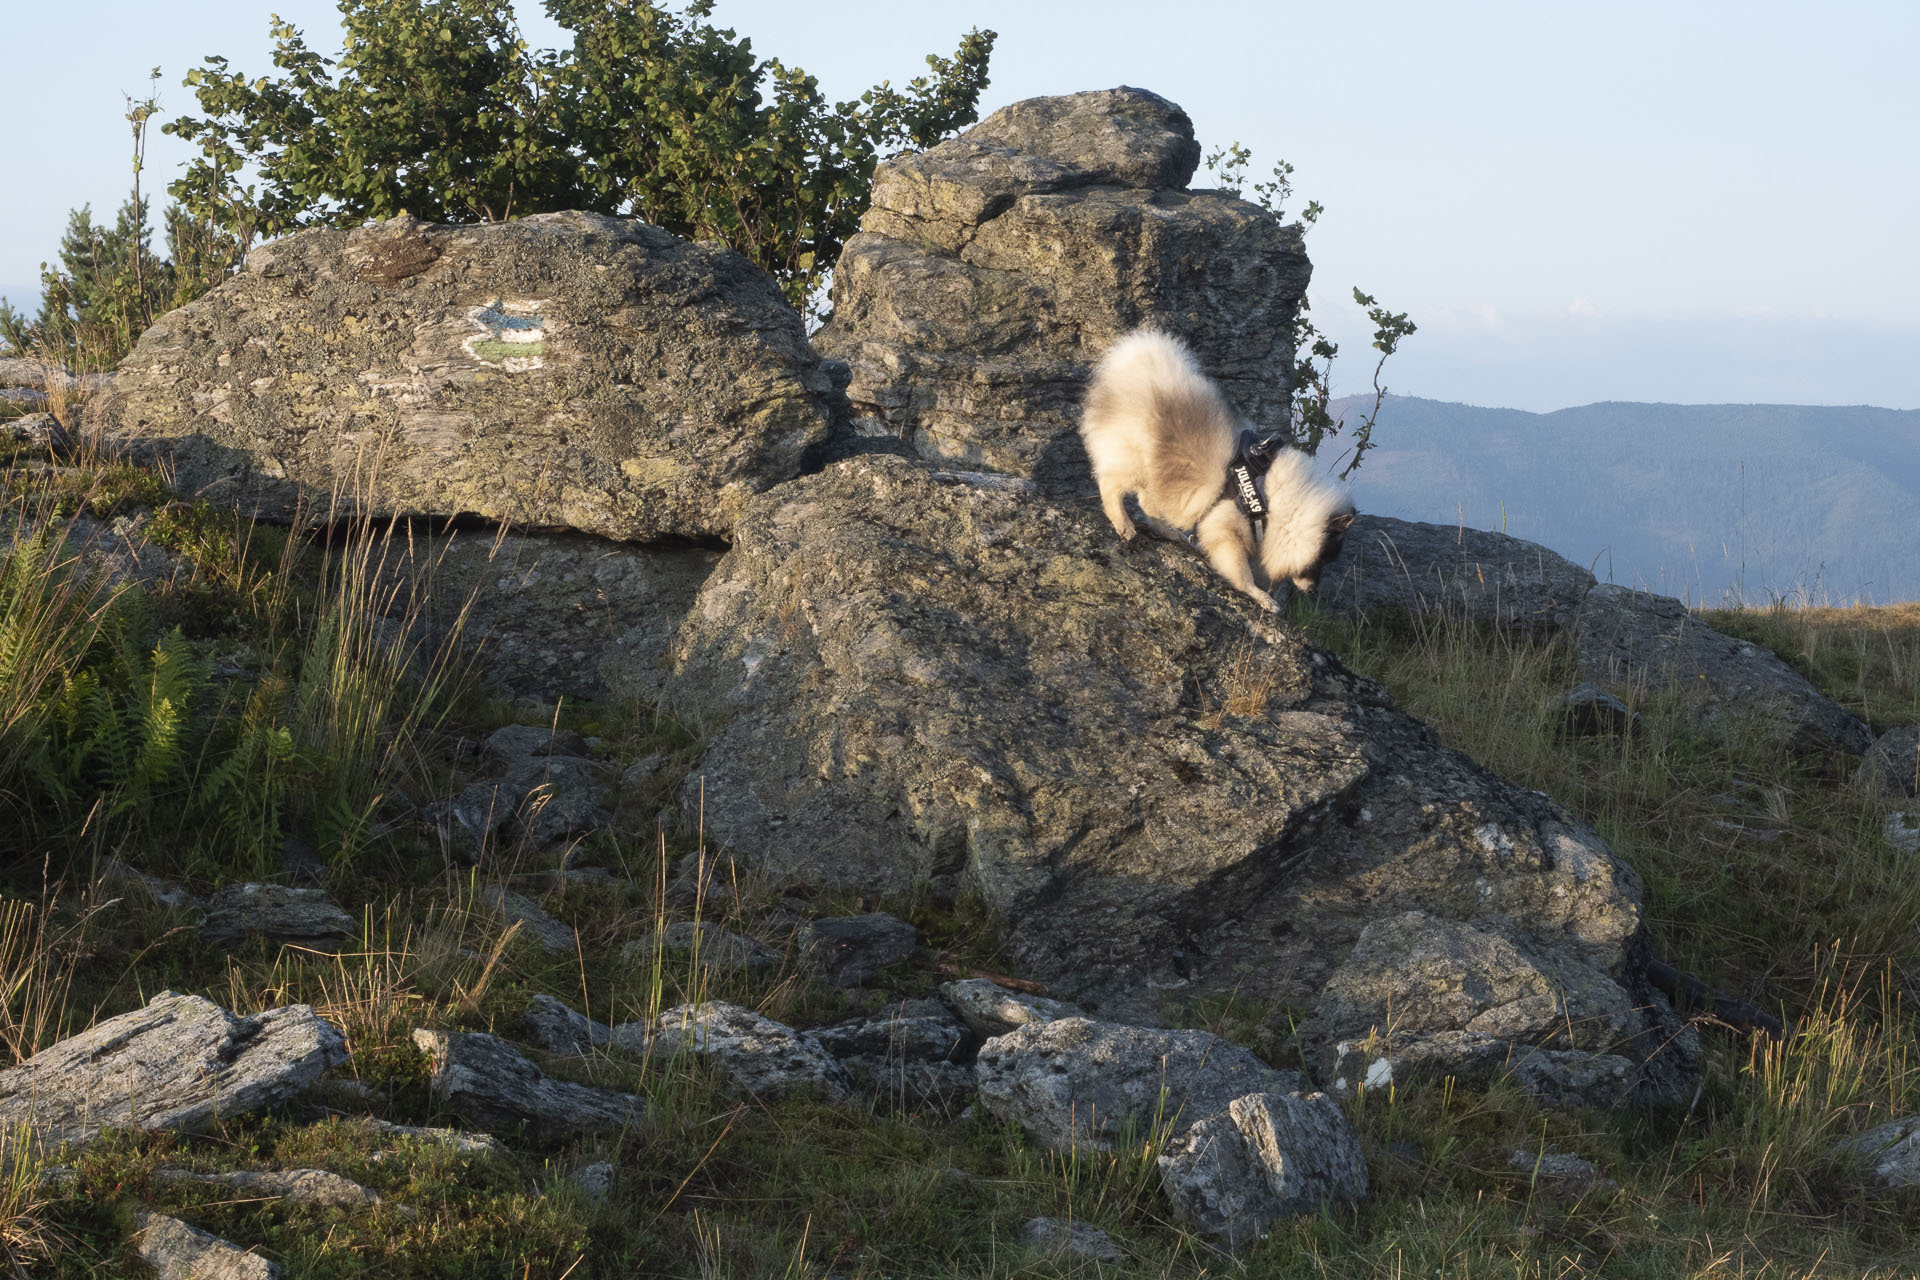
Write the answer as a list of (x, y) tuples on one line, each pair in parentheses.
[(438, 108)]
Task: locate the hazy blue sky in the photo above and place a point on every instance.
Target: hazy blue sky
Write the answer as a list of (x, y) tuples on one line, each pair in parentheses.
[(1695, 202)]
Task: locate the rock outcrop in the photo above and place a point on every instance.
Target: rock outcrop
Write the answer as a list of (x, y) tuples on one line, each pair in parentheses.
[(921, 680), (992, 271), (179, 1063), (1728, 688), (563, 370), (1429, 570)]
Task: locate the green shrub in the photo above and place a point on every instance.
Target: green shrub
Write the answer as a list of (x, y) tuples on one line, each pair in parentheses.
[(438, 108)]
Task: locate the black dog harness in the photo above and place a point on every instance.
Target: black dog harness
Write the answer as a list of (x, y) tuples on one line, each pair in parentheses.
[(1246, 482), (1247, 475)]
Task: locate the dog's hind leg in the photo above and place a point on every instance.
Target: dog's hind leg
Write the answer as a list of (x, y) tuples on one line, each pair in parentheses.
[(1113, 500)]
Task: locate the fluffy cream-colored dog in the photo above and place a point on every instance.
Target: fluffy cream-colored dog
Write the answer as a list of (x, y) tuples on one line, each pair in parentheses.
[(1158, 428)]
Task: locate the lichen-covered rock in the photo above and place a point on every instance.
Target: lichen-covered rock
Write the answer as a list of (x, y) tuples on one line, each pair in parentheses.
[(1075, 1082), (923, 1029), (756, 1055), (993, 270), (302, 1186), (993, 1010), (704, 943), (1421, 998), (563, 370), (910, 1053), (1637, 641), (462, 1143), (1412, 974), (1562, 1174), (851, 949), (1076, 1239), (557, 1029), (278, 913), (488, 1081), (1892, 765), (1435, 570), (1890, 1152), (177, 1251), (179, 1063), (553, 614), (1267, 1156), (920, 681), (554, 936), (1562, 1077)]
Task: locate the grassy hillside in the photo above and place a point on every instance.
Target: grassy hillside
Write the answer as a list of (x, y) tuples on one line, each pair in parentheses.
[(188, 728), (1711, 503)]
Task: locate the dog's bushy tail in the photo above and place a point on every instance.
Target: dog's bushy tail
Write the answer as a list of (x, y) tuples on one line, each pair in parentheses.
[(1150, 380)]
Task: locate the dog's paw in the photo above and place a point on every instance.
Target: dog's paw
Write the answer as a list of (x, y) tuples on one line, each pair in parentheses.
[(1264, 600), (1126, 531)]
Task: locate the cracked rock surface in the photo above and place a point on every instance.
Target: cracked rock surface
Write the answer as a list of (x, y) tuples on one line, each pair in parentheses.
[(179, 1063), (992, 271), (923, 682)]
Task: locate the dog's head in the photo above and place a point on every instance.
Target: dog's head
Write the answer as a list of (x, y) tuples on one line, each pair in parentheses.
[(1307, 525), (1304, 562)]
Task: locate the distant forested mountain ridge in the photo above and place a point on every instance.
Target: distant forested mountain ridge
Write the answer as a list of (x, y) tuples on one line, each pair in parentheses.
[(1711, 503)]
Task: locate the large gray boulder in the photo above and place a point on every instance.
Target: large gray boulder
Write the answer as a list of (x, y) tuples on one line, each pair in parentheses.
[(563, 370), (1432, 570), (1075, 1082), (915, 681), (992, 271), (1727, 688), (179, 1063)]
